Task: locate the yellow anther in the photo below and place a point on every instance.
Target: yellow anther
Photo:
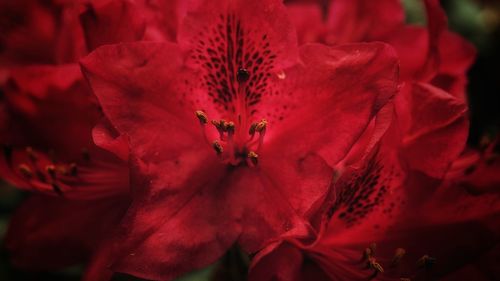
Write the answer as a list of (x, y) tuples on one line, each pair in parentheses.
[(220, 125), (254, 157), (217, 147), (261, 126), (229, 127), (251, 131), (400, 252), (51, 170), (202, 116), (25, 170), (376, 266)]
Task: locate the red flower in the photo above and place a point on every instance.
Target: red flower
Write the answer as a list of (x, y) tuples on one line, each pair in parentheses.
[(256, 157), (385, 197), (387, 221), (47, 135)]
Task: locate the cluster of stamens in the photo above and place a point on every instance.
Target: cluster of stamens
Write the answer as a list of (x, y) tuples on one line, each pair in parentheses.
[(425, 262), (233, 144), (43, 172), (371, 261)]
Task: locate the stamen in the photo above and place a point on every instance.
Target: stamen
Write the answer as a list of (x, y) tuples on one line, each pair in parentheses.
[(229, 127), (231, 145), (261, 129), (261, 126), (51, 170), (400, 252), (373, 247), (57, 189), (202, 116), (73, 169), (217, 147), (426, 262), (367, 254), (251, 131), (253, 157), (377, 268), (219, 125), (25, 171)]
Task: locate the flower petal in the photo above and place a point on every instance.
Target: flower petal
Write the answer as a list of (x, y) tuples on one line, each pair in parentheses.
[(171, 230), (308, 20), (221, 37), (333, 98), (363, 20), (106, 22), (106, 136), (435, 127)]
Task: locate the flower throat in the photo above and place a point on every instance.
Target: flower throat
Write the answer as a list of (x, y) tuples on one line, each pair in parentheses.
[(239, 141)]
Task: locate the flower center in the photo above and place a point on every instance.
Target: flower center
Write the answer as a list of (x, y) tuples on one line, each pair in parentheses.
[(235, 144), (42, 172), (238, 141)]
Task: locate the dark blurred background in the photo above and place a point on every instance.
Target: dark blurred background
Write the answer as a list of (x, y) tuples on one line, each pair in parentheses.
[(476, 20)]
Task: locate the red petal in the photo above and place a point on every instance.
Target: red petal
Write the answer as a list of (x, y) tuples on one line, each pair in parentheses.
[(106, 136), (106, 22), (163, 18), (456, 56), (277, 262), (308, 21), (334, 98), (221, 37), (174, 229), (363, 20), (142, 96), (435, 127), (411, 45), (253, 21)]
